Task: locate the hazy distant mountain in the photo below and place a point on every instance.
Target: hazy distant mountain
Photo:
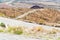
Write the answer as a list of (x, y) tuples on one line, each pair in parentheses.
[(27, 3), (31, 0)]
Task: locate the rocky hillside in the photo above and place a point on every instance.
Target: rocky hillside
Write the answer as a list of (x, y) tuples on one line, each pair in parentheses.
[(44, 16), (13, 12)]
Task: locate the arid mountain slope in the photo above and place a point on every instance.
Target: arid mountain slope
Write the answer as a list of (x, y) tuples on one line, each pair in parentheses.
[(13, 12), (43, 16)]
